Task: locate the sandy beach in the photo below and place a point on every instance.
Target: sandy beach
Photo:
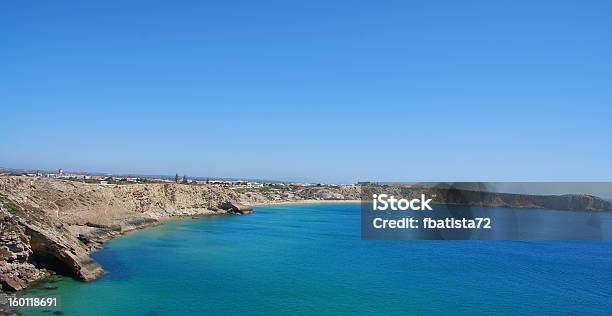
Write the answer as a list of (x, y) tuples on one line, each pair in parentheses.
[(304, 202)]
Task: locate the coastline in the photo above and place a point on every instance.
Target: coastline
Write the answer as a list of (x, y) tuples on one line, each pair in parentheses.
[(100, 235), (208, 213), (53, 225), (253, 204)]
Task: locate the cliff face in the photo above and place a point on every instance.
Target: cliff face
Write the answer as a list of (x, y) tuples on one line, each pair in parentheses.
[(52, 225), (15, 252), (76, 203), (32, 244)]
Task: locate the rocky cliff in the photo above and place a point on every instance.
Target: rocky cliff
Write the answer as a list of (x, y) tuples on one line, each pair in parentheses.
[(50, 226)]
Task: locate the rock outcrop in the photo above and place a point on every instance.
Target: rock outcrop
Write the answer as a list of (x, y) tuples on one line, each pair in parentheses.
[(234, 207), (16, 270), (33, 244)]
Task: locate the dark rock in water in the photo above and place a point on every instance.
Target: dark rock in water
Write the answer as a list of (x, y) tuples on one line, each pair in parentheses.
[(11, 283), (234, 207)]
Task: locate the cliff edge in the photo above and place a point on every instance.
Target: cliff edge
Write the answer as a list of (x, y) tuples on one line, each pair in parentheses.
[(50, 226)]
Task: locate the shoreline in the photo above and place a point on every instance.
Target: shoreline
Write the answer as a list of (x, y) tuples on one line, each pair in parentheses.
[(304, 202), (160, 220)]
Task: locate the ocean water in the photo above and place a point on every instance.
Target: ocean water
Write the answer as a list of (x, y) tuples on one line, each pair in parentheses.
[(309, 259)]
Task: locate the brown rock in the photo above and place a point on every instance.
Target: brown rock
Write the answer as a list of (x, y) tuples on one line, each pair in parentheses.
[(11, 283), (235, 207)]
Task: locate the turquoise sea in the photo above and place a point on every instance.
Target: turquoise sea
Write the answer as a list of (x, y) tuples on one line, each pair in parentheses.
[(309, 259)]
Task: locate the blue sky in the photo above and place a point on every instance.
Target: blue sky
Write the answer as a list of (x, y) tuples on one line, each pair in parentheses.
[(314, 90)]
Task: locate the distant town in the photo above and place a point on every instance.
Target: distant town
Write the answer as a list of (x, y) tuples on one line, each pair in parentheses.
[(107, 179)]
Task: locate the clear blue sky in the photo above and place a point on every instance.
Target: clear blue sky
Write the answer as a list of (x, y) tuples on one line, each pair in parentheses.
[(318, 90)]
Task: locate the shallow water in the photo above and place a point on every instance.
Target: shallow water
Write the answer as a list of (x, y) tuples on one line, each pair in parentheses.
[(309, 259)]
